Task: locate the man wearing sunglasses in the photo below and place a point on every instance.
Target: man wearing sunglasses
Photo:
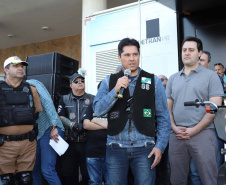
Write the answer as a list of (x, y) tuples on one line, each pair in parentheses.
[(164, 80), (73, 106)]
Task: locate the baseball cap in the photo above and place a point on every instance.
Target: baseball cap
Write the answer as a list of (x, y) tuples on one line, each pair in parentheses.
[(14, 60), (74, 76)]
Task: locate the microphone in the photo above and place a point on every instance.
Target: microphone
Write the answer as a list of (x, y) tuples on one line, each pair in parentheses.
[(127, 72)]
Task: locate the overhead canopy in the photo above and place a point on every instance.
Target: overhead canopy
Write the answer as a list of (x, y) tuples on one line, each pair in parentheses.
[(184, 6)]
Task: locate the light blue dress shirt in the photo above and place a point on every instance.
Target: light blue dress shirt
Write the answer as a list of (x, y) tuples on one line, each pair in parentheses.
[(48, 116)]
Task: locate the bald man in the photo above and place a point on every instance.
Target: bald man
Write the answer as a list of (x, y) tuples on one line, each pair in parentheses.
[(163, 79)]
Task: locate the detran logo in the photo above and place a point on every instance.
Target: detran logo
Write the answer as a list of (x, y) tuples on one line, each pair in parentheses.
[(153, 32)]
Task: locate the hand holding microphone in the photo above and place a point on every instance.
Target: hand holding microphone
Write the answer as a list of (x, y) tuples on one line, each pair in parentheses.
[(122, 83)]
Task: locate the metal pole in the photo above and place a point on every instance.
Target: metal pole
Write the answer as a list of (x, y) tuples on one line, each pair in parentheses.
[(139, 7)]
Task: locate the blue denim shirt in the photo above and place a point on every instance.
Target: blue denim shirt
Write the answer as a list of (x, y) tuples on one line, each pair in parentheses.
[(105, 100)]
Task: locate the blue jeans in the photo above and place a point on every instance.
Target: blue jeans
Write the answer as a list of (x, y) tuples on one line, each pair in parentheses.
[(119, 159), (46, 161), (194, 176), (97, 170)]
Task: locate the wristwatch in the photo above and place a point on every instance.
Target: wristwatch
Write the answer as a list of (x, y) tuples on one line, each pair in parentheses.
[(52, 127)]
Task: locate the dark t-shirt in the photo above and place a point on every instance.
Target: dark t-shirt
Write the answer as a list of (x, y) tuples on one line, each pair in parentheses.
[(96, 142)]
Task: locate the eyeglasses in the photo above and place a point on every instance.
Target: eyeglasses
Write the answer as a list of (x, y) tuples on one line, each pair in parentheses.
[(218, 64), (163, 79), (79, 80)]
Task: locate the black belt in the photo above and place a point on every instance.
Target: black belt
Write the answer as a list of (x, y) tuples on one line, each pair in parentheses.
[(17, 137)]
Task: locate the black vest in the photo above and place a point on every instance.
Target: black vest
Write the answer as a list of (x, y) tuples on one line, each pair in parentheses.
[(142, 108), (16, 105), (75, 110)]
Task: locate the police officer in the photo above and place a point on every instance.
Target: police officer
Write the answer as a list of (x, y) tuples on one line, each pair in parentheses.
[(19, 106), (73, 106)]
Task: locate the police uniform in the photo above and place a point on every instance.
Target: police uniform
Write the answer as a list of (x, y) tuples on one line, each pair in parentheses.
[(18, 106)]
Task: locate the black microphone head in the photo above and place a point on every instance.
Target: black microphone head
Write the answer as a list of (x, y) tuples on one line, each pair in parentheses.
[(127, 72)]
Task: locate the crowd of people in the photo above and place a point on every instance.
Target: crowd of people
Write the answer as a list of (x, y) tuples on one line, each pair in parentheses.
[(136, 130)]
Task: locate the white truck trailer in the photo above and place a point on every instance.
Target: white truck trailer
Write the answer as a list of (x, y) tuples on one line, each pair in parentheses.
[(151, 23)]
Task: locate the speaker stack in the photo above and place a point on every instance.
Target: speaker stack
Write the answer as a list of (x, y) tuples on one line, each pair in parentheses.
[(54, 71)]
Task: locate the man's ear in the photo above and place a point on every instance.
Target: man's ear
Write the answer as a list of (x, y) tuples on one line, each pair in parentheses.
[(6, 71), (71, 85), (119, 58)]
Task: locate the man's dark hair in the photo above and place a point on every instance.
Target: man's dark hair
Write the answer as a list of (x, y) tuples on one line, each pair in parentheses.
[(127, 42), (194, 39), (208, 54), (219, 64), (7, 67)]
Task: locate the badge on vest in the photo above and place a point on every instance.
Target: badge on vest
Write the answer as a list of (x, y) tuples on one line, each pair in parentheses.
[(87, 101), (145, 83), (25, 89), (147, 113), (114, 115), (145, 80), (145, 86), (72, 115)]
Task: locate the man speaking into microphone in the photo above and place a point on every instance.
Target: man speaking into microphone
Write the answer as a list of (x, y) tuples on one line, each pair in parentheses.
[(136, 115)]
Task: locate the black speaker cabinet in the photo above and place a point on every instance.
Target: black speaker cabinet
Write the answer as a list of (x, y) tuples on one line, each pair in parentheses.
[(56, 84), (51, 63)]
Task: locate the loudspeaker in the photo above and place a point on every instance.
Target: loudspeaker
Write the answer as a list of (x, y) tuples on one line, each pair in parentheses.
[(54, 71), (56, 84), (51, 63)]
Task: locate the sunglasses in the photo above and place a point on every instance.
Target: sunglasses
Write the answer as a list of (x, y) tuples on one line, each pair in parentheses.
[(218, 64), (79, 80), (163, 79)]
